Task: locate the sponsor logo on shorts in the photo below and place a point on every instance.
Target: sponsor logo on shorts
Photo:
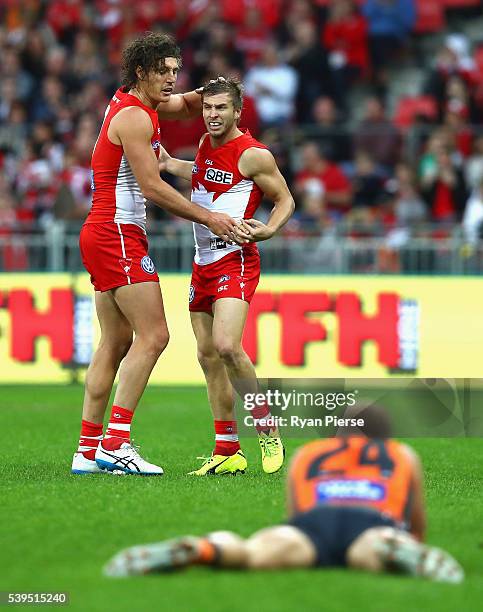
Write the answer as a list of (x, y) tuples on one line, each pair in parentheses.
[(218, 176), (357, 490), (217, 243), (156, 144), (192, 294), (222, 288), (126, 263), (224, 278), (147, 265)]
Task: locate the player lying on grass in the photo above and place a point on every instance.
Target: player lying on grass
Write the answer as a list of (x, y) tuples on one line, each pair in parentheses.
[(353, 501), (232, 172)]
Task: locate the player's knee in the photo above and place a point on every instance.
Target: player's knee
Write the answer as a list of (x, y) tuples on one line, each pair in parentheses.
[(207, 359), (229, 352), (363, 552), (259, 557), (156, 342), (115, 349)]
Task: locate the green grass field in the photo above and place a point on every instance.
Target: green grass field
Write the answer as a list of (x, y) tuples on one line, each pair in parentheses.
[(57, 530)]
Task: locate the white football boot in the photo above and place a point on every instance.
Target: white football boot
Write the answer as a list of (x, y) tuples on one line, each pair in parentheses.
[(82, 465), (401, 553), (125, 459), (153, 558)]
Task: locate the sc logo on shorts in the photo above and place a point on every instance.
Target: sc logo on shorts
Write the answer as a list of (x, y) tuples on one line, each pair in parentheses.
[(147, 265), (192, 294)]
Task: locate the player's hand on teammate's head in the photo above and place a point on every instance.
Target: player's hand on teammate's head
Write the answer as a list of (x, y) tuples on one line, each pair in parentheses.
[(219, 78), (256, 230)]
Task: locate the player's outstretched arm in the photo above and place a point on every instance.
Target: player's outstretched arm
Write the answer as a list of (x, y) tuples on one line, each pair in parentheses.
[(260, 166), (174, 166), (132, 128), (181, 106), (184, 105)]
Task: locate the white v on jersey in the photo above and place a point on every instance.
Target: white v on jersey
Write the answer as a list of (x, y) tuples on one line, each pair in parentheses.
[(218, 185)]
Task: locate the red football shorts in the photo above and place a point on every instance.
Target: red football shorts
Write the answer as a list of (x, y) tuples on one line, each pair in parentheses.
[(116, 254), (234, 276)]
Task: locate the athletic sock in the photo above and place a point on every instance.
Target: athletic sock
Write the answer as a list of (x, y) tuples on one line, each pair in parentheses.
[(261, 414), (226, 438), (119, 428), (90, 436), (207, 553)]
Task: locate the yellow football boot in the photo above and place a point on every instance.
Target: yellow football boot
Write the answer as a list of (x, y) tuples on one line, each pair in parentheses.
[(222, 464), (273, 452)]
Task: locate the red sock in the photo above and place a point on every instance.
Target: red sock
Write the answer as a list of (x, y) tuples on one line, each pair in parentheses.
[(119, 428), (90, 436), (261, 415), (226, 438)]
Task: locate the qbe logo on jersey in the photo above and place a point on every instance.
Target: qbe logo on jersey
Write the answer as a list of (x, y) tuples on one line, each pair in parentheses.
[(147, 265), (218, 176)]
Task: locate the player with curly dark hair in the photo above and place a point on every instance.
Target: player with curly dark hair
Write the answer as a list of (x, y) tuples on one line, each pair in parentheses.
[(115, 251), (148, 54)]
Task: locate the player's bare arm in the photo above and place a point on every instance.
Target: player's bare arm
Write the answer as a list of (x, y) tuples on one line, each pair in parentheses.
[(260, 166), (174, 166), (132, 129), (183, 105), (418, 515)]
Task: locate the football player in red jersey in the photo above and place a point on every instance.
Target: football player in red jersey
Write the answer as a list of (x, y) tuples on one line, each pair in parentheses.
[(354, 501), (232, 172), (115, 252)]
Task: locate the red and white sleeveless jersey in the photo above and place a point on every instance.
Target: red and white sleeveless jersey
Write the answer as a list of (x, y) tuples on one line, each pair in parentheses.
[(116, 195), (218, 185)]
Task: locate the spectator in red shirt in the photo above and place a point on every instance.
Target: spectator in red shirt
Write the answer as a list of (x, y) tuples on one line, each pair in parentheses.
[(345, 38), (234, 11), (65, 17), (321, 183), (444, 189), (252, 36)]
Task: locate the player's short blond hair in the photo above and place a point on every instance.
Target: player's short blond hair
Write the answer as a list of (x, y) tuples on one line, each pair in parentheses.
[(231, 86)]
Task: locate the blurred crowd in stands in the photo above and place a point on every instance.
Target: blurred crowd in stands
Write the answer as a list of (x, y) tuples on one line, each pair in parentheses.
[(376, 169)]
